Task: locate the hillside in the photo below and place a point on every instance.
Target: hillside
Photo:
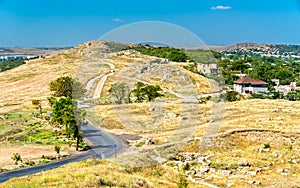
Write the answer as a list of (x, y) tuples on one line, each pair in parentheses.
[(247, 143)]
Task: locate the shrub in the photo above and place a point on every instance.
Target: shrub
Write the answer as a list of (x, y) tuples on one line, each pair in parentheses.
[(30, 163), (16, 157), (57, 148), (104, 182), (186, 167), (183, 183), (267, 146)]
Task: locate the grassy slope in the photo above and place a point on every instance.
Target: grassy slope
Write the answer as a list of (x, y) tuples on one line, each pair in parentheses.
[(20, 85), (228, 152)]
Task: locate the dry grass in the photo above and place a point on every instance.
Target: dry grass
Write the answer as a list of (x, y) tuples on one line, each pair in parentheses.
[(99, 173), (170, 122), (19, 86)]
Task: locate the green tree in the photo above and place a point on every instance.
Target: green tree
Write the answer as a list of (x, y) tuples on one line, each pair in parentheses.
[(240, 66), (67, 87), (146, 92), (66, 112), (138, 91), (151, 92), (120, 92)]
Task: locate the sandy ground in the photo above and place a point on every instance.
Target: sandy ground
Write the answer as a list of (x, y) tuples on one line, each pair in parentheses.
[(33, 153)]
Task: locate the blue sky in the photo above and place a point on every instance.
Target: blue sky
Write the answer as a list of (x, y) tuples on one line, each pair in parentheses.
[(216, 22)]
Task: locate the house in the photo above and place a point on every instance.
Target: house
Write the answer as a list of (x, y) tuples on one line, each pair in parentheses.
[(249, 85), (211, 68), (285, 89)]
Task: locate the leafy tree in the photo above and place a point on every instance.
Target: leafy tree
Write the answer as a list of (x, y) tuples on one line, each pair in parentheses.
[(151, 92), (120, 92), (172, 54), (239, 65), (138, 91), (146, 92), (51, 100), (66, 112), (67, 87)]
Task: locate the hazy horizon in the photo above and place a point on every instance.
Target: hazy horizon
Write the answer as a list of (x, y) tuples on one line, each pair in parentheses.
[(218, 23)]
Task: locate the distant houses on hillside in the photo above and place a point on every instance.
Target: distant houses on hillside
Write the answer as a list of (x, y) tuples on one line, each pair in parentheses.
[(211, 68), (249, 85)]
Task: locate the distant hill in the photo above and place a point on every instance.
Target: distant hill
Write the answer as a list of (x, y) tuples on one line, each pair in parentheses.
[(36, 51), (247, 45)]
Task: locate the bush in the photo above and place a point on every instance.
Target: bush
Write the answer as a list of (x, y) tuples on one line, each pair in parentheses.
[(293, 96), (231, 96), (267, 146), (57, 148), (186, 167), (16, 157), (103, 182), (30, 163), (183, 183)]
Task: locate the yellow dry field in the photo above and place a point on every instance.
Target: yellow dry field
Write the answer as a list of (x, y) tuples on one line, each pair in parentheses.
[(281, 115), (100, 173), (19, 86), (243, 125)]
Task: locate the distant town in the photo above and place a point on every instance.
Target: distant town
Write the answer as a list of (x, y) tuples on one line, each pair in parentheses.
[(20, 53)]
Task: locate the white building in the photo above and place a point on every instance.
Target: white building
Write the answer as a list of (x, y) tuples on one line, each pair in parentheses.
[(249, 85), (211, 68)]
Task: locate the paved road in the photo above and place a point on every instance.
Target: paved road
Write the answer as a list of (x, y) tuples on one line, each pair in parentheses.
[(103, 146)]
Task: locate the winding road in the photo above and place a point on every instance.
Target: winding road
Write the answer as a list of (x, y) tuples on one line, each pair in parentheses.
[(102, 144)]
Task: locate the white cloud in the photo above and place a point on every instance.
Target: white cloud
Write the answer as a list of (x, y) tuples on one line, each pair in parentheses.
[(118, 20), (220, 7)]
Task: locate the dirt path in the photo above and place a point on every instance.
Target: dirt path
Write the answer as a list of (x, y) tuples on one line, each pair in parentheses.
[(100, 85)]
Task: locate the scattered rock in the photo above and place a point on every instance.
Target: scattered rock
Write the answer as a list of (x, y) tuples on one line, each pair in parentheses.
[(294, 161), (257, 183), (166, 76), (204, 169), (258, 170), (186, 78), (153, 109), (254, 182), (198, 175), (171, 114), (149, 141), (245, 164), (260, 150), (252, 173), (276, 155), (287, 171), (225, 172)]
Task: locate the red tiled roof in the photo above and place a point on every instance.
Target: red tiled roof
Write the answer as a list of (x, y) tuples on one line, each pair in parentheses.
[(248, 80)]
